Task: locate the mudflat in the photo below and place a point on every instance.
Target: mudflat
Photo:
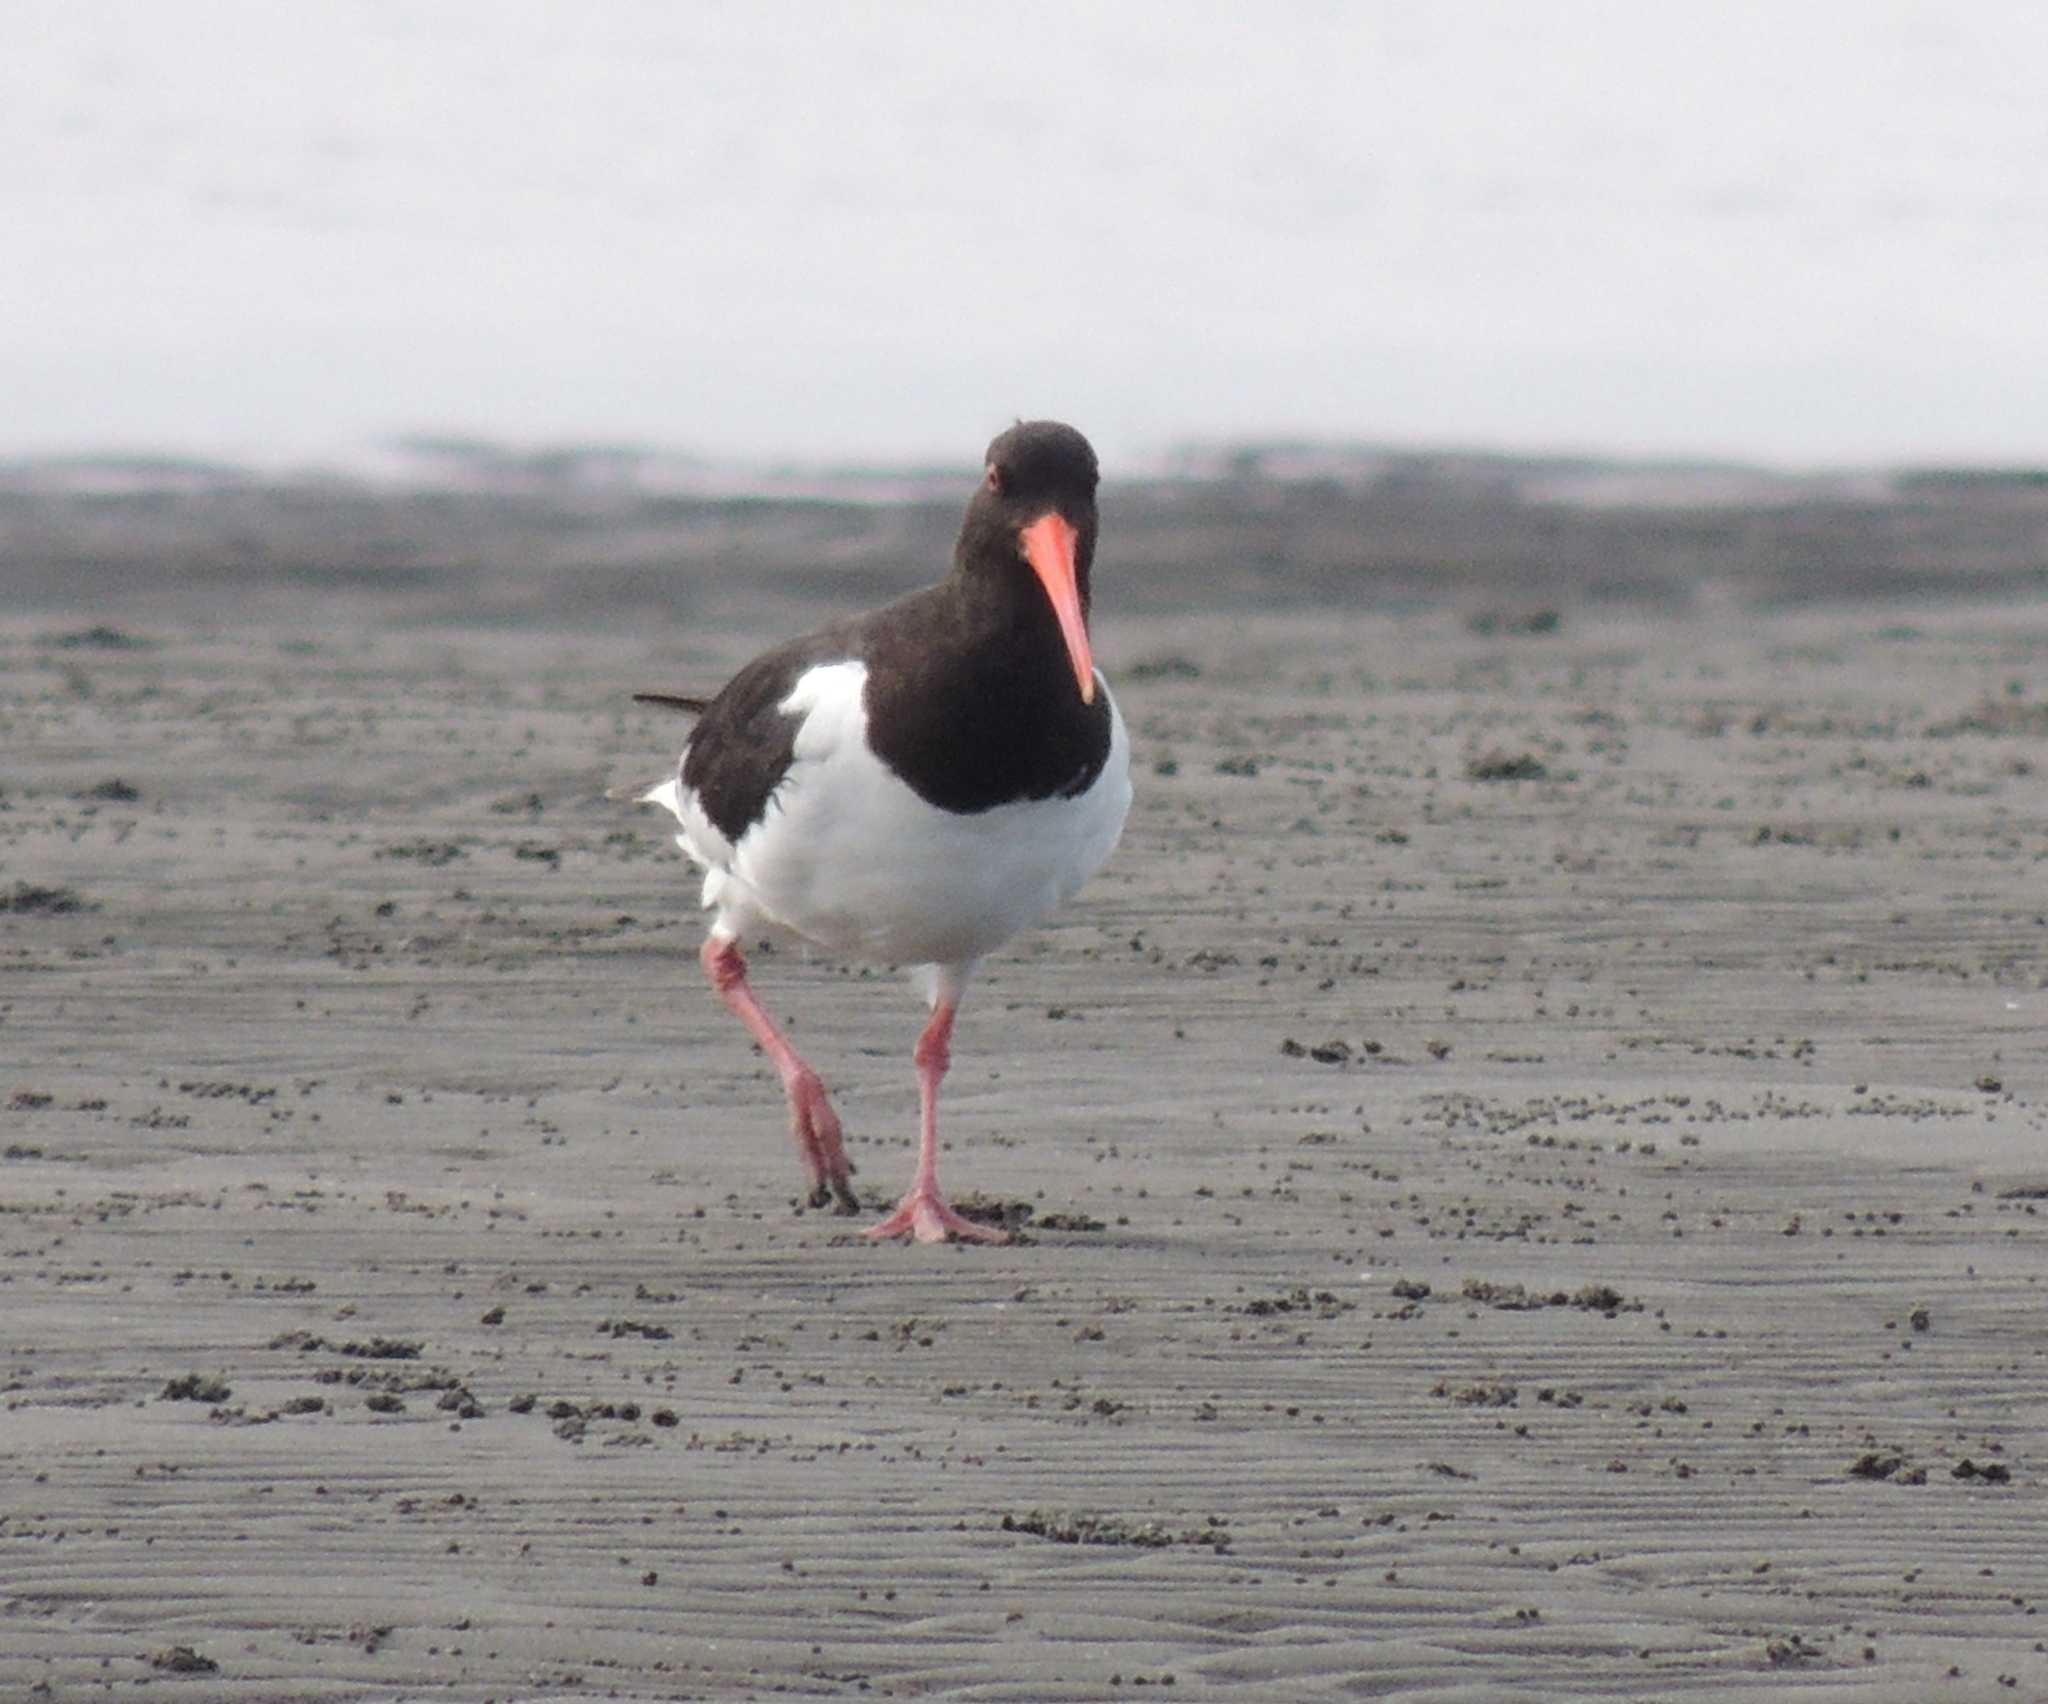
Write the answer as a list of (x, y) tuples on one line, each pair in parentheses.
[(1530, 1162)]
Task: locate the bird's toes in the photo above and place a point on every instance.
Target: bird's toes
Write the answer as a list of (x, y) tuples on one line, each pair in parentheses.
[(830, 1188)]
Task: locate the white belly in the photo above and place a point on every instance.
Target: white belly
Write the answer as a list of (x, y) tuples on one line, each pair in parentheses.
[(849, 857)]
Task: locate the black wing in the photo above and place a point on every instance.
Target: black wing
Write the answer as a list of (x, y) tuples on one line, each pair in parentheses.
[(743, 746)]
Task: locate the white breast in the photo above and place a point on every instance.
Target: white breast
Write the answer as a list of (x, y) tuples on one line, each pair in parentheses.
[(848, 856)]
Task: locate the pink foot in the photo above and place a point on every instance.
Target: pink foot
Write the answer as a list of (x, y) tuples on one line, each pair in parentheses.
[(820, 1144), (924, 1214)]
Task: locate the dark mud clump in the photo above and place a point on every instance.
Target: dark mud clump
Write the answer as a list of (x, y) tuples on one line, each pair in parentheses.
[(28, 899)]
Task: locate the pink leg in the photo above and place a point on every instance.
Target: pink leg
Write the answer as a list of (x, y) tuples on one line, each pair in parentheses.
[(816, 1125), (923, 1212)]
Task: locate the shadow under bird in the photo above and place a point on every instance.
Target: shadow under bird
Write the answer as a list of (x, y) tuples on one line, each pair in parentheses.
[(913, 786)]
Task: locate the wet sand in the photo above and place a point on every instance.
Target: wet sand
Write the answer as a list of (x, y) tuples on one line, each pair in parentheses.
[(1532, 1157)]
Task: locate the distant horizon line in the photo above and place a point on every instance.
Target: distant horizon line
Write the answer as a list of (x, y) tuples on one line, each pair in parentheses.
[(434, 456)]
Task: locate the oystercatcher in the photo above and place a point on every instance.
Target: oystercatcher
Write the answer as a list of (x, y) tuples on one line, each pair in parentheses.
[(914, 786)]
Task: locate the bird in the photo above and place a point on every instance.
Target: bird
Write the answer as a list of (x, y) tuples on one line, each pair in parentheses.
[(912, 787)]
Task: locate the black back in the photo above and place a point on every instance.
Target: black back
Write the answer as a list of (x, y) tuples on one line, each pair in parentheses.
[(970, 696)]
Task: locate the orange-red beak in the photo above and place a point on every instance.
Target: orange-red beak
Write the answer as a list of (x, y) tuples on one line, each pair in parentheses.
[(1049, 548)]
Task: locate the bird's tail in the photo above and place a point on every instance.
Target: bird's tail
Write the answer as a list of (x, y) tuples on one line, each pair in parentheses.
[(666, 792)]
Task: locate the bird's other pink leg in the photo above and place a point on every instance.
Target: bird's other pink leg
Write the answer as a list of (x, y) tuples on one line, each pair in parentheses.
[(923, 1213), (816, 1125)]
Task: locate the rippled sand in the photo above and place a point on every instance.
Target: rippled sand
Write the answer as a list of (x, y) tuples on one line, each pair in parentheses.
[(1532, 1154)]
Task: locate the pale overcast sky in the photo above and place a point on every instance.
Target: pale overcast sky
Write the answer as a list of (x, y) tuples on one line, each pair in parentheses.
[(1813, 233)]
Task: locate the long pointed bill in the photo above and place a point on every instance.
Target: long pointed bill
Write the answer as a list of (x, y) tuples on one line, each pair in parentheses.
[(1049, 548)]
